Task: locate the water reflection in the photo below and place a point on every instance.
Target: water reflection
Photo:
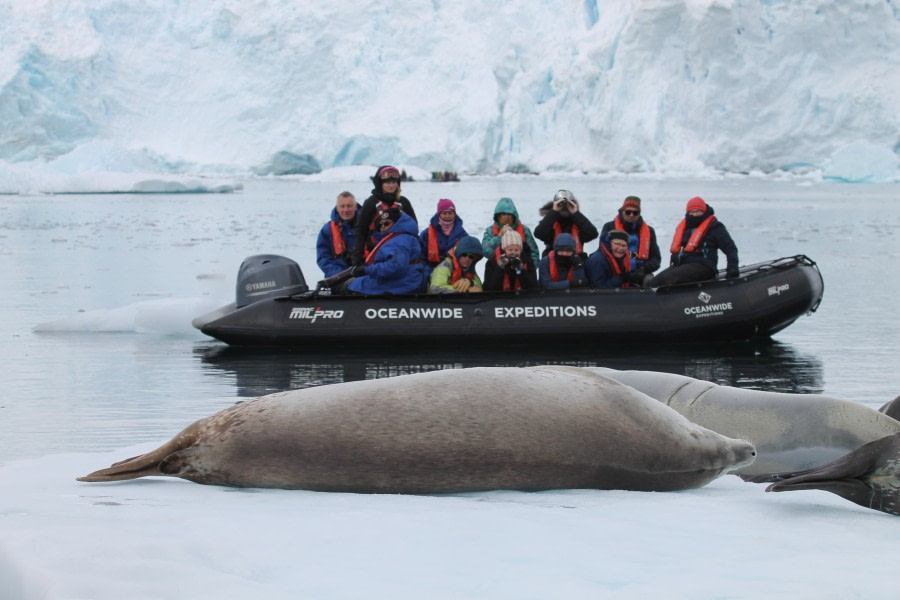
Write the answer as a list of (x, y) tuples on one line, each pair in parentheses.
[(770, 365)]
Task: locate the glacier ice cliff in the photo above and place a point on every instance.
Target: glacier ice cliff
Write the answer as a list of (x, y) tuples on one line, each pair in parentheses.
[(232, 87)]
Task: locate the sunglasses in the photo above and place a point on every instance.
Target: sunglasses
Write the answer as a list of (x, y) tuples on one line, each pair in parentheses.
[(385, 224), (467, 255), (390, 180), (631, 213)]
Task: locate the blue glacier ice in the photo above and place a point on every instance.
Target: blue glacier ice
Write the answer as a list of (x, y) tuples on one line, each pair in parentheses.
[(228, 88)]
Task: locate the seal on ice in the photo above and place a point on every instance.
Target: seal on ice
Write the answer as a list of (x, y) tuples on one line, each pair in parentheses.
[(447, 431)]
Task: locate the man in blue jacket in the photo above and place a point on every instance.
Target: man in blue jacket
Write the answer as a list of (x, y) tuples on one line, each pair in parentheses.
[(394, 265), (336, 238)]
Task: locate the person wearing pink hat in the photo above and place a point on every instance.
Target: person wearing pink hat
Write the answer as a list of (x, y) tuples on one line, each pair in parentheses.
[(442, 234), (695, 248), (385, 195)]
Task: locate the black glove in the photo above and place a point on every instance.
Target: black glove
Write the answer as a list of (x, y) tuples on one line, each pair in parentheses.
[(635, 277), (357, 271), (732, 273), (577, 261), (515, 264), (356, 258), (503, 262), (578, 283)]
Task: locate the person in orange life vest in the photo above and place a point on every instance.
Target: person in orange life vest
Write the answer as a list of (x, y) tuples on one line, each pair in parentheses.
[(510, 267), (564, 216), (335, 241), (610, 265), (695, 246), (563, 268), (642, 246), (506, 217), (456, 273), (394, 266), (442, 234), (385, 195)]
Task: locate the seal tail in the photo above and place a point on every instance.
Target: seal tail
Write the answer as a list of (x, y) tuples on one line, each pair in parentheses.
[(144, 465)]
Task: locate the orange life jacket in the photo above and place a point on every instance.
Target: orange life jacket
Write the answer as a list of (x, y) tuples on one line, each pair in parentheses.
[(457, 273), (643, 252), (337, 239), (554, 269), (696, 236), (434, 253), (574, 232), (617, 270)]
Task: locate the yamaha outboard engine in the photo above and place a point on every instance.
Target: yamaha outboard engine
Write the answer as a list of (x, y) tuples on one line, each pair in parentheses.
[(267, 276)]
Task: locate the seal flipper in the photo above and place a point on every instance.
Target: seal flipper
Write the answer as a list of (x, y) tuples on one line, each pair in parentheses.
[(145, 465), (868, 476)]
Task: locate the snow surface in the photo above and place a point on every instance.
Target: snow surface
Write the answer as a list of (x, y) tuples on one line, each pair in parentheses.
[(167, 538), (220, 89)]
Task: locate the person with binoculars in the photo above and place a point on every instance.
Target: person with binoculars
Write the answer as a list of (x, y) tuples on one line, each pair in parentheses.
[(564, 216)]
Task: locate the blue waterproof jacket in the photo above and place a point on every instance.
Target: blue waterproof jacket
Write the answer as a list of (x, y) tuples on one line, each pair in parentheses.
[(579, 279), (397, 267), (445, 242), (599, 272), (325, 257)]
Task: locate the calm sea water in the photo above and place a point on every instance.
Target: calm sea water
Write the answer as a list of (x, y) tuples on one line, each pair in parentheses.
[(112, 281)]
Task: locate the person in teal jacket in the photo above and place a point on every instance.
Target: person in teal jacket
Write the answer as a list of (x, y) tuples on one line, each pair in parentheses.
[(506, 217)]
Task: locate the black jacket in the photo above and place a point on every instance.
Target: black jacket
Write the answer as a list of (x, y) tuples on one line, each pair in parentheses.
[(369, 211), (494, 274), (544, 231), (716, 238)]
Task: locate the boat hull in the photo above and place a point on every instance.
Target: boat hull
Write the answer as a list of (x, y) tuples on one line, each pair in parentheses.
[(765, 299)]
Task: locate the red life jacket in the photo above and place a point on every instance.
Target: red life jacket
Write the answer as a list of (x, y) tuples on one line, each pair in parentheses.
[(617, 270), (643, 239), (696, 236), (554, 268), (337, 239), (574, 232), (370, 257), (507, 285)]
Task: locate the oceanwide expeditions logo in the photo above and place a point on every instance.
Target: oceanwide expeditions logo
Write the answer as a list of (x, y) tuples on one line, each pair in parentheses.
[(308, 312), (706, 309)]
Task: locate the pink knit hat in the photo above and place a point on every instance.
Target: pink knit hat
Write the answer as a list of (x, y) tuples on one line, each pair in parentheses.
[(696, 203), (446, 204), (510, 237)]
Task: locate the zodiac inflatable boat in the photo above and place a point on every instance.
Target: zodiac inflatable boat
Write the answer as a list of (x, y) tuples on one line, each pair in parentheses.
[(275, 307)]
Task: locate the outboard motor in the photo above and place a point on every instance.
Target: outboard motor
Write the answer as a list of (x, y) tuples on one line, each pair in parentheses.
[(267, 276)]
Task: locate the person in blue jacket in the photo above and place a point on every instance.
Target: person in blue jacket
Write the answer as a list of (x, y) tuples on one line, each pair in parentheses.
[(610, 266), (443, 233), (562, 268), (394, 265), (336, 238)]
